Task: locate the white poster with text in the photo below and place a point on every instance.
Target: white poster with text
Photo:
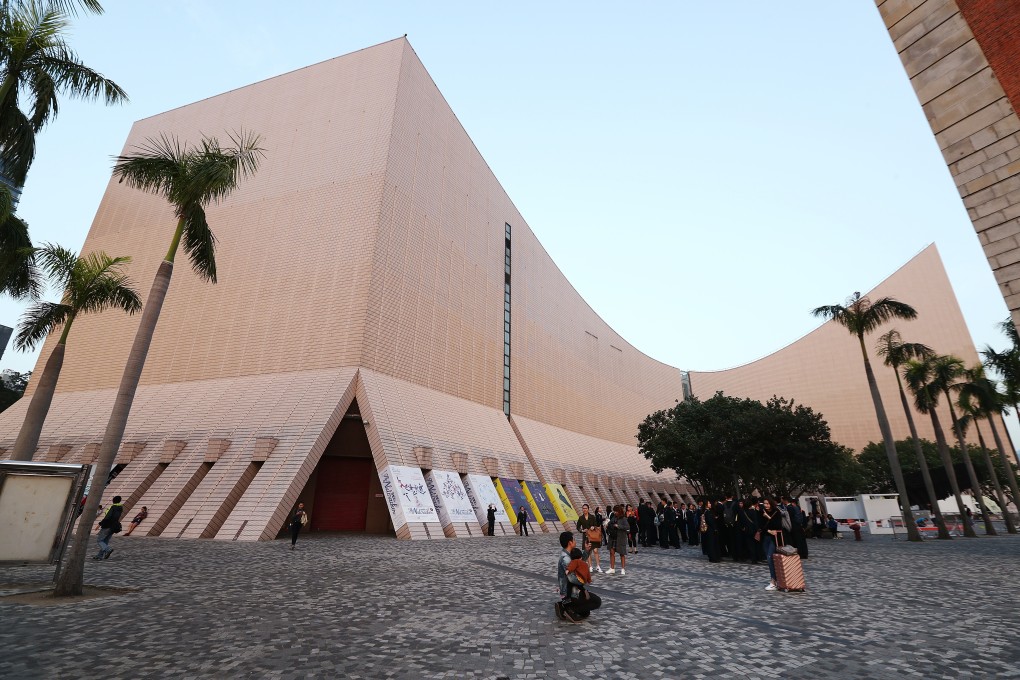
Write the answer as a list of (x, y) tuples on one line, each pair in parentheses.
[(482, 493), (407, 495), (449, 496)]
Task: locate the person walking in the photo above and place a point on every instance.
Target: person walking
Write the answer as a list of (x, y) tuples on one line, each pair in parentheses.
[(297, 520), (522, 520), (490, 515), (109, 526), (139, 518)]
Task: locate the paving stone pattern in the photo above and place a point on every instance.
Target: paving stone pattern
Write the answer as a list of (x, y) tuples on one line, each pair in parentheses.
[(371, 607)]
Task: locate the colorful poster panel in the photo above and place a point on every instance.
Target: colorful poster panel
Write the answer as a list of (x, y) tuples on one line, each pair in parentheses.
[(540, 501), (450, 497), (482, 492), (407, 495), (512, 495), (558, 497)]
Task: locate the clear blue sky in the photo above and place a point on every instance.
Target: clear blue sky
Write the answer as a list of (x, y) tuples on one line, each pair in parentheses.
[(704, 173)]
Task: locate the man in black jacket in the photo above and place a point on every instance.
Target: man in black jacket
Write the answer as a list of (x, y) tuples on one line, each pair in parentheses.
[(646, 519), (109, 526)]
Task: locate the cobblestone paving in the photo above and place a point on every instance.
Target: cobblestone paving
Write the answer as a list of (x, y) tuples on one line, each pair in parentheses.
[(372, 607)]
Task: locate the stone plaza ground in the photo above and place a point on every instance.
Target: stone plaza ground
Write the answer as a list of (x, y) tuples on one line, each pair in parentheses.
[(350, 606)]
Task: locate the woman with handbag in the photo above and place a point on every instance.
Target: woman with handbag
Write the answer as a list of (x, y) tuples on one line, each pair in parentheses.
[(590, 527), (771, 528)]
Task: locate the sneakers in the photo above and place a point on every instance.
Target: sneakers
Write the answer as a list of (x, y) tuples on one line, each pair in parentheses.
[(598, 568), (771, 586), (610, 570), (623, 572)]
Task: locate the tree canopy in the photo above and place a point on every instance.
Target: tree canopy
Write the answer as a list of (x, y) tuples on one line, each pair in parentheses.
[(726, 444)]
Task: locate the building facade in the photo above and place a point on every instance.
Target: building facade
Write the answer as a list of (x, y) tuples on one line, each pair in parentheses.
[(963, 61), (388, 341)]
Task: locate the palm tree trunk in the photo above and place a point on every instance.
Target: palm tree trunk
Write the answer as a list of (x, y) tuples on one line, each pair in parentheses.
[(72, 572), (974, 486), (922, 462), (1010, 471), (31, 428), (947, 463), (890, 448), (999, 496)]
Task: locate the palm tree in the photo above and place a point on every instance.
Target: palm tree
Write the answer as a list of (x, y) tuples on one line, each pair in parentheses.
[(947, 370), (189, 178), (993, 403), (896, 352), (861, 316), (37, 65), (973, 399), (1007, 364), (91, 284), (920, 381), (19, 276)]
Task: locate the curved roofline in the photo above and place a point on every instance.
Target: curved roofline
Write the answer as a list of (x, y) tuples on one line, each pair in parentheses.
[(823, 324)]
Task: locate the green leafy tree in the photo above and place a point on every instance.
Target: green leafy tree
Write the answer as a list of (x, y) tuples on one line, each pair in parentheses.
[(861, 317), (726, 444), (1007, 364), (37, 66), (189, 177), (91, 284), (12, 389), (895, 352), (19, 276), (925, 384)]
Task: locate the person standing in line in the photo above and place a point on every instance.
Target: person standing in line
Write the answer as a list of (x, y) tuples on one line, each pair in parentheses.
[(522, 521), (632, 535), (109, 526), (681, 522), (646, 519), (747, 522), (654, 528), (692, 524), (771, 532), (660, 512), (490, 515), (297, 520), (139, 518), (712, 520)]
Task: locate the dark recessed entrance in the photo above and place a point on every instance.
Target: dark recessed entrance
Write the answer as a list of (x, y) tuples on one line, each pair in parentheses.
[(341, 494)]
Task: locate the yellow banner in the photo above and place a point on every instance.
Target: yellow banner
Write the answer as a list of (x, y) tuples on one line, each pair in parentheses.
[(561, 504), (508, 504), (536, 511)]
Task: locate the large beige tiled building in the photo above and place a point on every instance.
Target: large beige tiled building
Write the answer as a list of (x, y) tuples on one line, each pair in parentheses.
[(388, 341)]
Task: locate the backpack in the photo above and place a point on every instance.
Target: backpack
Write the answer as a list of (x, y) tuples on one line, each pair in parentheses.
[(785, 514), (730, 513)]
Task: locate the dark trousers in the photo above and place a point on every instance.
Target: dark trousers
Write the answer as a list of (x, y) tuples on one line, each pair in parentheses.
[(524, 528), (643, 535), (583, 605), (664, 532), (295, 529), (492, 529), (683, 531), (674, 536)]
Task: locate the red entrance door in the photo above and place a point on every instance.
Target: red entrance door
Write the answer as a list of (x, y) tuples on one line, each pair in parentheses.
[(341, 494)]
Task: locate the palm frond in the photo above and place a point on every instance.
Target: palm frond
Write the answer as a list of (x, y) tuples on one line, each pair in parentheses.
[(78, 80), (157, 166), (886, 309), (38, 321), (19, 275), (1009, 329), (199, 243), (100, 282), (58, 263)]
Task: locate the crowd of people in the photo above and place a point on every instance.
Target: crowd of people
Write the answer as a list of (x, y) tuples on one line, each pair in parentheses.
[(743, 530)]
